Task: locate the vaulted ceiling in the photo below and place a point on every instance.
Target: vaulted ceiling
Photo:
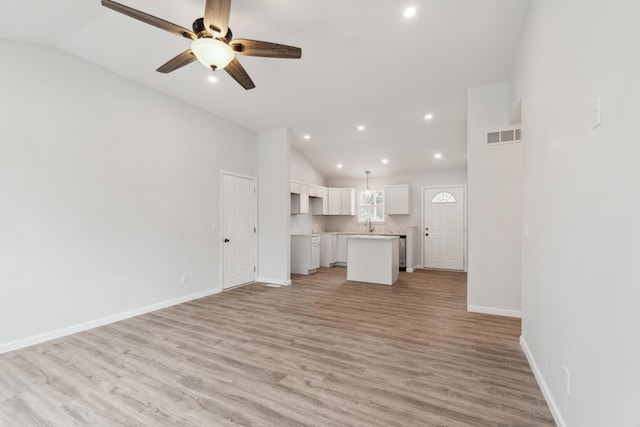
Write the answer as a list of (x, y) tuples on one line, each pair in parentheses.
[(363, 63)]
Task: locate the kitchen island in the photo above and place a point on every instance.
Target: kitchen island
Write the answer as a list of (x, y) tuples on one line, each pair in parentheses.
[(373, 259)]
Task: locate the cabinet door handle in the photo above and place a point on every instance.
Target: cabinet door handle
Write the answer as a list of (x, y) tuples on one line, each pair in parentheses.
[(426, 234), (227, 240)]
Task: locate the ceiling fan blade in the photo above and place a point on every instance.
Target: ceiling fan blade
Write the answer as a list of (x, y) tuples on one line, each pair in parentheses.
[(185, 58), (266, 49), (236, 70), (216, 16), (149, 19)]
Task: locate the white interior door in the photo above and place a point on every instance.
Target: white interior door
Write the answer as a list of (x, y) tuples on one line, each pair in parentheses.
[(239, 230), (443, 229)]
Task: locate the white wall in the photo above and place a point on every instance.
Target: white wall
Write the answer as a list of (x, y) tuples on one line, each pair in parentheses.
[(581, 203), (495, 188), (108, 194), (394, 223), (274, 207), (303, 170)]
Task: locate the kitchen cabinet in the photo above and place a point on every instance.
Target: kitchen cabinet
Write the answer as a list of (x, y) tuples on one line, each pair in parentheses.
[(300, 202), (321, 200), (315, 255), (305, 253), (320, 203), (325, 201), (343, 242), (341, 201), (373, 259), (328, 249), (347, 201), (396, 199), (335, 201), (315, 191)]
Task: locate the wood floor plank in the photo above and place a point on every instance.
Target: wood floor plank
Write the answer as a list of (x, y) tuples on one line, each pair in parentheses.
[(322, 352)]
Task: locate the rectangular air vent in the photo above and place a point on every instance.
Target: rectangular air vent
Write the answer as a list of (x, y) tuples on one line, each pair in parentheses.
[(505, 135)]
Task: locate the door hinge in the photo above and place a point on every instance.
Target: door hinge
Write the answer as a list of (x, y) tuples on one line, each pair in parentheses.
[(254, 269), (254, 229)]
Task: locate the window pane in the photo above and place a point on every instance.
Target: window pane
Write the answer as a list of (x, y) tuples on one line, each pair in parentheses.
[(371, 206), (379, 214), (443, 197), (367, 213)]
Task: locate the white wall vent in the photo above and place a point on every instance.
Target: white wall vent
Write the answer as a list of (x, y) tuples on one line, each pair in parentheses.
[(504, 135)]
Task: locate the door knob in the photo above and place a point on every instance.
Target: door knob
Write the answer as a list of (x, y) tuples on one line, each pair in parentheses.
[(226, 240)]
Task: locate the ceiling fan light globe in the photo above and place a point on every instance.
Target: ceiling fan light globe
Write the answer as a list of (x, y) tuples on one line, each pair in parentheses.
[(212, 52)]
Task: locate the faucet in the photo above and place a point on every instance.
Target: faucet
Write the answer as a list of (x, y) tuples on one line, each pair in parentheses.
[(368, 222)]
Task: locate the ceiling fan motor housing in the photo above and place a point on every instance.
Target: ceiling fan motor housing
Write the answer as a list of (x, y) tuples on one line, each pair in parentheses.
[(202, 31)]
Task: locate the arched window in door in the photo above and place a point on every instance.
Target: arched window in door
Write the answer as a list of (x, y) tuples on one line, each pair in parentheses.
[(443, 197)]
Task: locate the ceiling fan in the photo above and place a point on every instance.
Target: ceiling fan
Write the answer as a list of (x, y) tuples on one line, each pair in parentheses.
[(213, 44)]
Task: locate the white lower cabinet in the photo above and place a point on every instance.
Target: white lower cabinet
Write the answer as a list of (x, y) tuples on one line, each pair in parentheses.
[(305, 253), (328, 249), (343, 242), (315, 256)]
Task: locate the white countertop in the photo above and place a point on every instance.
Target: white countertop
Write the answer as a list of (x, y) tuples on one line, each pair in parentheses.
[(355, 233), (373, 237)]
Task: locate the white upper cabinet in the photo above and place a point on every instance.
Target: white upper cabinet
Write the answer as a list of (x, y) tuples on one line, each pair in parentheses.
[(321, 200), (304, 199), (320, 203), (335, 201), (300, 200), (341, 201), (347, 201), (315, 191), (396, 199), (325, 201)]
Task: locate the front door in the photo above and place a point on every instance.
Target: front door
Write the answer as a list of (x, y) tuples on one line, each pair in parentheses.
[(239, 230), (443, 228)]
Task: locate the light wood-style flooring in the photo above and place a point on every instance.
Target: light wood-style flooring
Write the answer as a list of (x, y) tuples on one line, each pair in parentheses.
[(322, 352)]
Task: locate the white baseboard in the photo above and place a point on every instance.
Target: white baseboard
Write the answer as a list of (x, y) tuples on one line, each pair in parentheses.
[(494, 311), (274, 281), (409, 270), (555, 411), (48, 336)]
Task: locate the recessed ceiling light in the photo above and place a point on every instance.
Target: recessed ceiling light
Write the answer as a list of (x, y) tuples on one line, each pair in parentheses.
[(428, 116), (307, 136), (410, 12), (361, 128), (385, 161), (213, 79), (437, 155), (339, 165)]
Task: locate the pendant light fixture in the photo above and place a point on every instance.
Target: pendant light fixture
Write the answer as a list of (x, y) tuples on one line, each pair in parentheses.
[(367, 192)]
